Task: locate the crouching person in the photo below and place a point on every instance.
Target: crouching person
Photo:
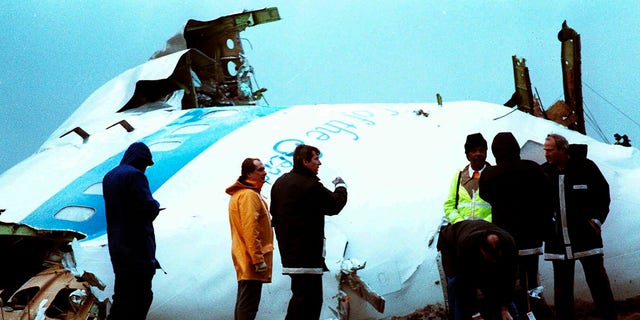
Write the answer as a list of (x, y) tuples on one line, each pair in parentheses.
[(477, 254)]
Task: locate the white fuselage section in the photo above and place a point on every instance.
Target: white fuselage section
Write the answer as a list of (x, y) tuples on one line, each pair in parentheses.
[(397, 165)]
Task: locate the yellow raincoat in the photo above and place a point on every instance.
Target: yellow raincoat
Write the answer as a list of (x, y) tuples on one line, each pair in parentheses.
[(251, 232)]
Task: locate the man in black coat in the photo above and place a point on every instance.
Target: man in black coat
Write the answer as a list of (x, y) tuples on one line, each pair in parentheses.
[(520, 198), (299, 202), (581, 203), (130, 210)]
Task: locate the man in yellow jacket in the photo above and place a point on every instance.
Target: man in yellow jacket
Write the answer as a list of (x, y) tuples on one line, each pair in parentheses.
[(251, 237), (463, 201)]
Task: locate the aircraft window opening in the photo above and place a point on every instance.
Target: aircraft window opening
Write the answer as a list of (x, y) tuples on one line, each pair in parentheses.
[(164, 146), (230, 44), (191, 129), (232, 68), (219, 114), (95, 188), (75, 213), (21, 298), (62, 304)]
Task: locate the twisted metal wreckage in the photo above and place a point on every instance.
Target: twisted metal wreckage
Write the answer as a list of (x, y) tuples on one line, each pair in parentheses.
[(45, 282)]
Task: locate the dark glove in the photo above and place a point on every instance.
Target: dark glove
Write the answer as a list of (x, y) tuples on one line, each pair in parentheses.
[(338, 182), (261, 267)]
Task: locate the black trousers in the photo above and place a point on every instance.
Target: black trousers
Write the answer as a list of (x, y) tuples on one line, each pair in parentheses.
[(306, 299), (527, 280), (597, 280), (248, 299), (132, 296)]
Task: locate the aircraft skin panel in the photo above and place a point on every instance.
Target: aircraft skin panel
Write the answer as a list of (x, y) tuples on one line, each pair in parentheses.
[(397, 164), (66, 159), (111, 96), (397, 159), (352, 139), (167, 163), (347, 135)]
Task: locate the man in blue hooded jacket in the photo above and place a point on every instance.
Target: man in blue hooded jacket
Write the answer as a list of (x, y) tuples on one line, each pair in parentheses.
[(130, 210)]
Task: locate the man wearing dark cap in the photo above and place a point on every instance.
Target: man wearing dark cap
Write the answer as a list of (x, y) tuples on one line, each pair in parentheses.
[(130, 210), (464, 202)]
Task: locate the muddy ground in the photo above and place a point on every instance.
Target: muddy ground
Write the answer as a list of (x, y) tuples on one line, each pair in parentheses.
[(627, 310)]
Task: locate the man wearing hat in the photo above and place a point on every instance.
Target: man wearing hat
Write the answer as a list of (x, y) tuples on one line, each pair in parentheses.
[(130, 210), (464, 203)]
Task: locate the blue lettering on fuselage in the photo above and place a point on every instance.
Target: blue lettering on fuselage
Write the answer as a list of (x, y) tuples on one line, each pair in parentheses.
[(347, 125)]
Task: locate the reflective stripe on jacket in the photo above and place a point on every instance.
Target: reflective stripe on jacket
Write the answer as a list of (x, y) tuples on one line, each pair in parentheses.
[(299, 203), (581, 203), (470, 206)]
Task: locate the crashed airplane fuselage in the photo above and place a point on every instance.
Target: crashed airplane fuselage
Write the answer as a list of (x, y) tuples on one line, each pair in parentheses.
[(397, 160)]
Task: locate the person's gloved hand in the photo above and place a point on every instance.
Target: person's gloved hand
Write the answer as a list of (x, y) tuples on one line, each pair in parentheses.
[(261, 267), (338, 182)]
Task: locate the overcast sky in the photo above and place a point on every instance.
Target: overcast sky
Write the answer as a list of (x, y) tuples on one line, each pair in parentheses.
[(56, 53)]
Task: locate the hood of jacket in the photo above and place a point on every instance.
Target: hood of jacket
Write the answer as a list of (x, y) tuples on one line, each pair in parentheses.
[(238, 185), (137, 155), (505, 147)]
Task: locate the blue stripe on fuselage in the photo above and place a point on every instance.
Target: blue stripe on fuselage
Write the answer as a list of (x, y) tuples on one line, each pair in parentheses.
[(166, 165)]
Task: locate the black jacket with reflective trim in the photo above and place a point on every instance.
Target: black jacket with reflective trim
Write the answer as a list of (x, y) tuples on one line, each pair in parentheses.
[(519, 194), (299, 202), (586, 193)]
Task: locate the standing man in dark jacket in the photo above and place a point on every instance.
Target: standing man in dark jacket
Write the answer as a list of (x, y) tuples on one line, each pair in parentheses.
[(130, 210), (479, 255), (299, 202), (581, 204), (518, 192)]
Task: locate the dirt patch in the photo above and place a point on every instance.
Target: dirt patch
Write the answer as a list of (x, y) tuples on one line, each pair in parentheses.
[(627, 310)]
